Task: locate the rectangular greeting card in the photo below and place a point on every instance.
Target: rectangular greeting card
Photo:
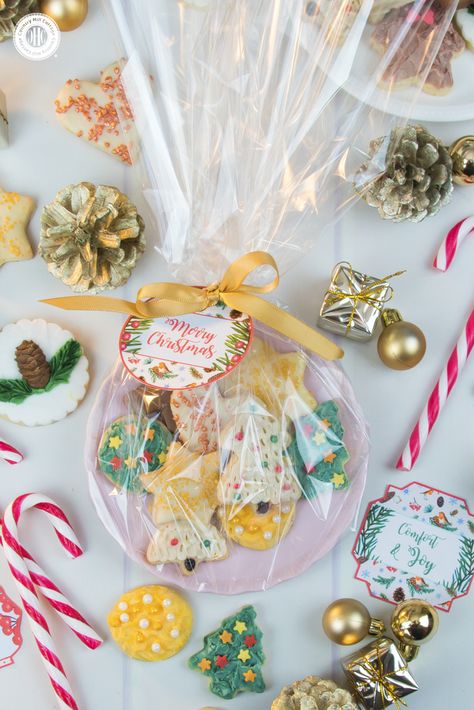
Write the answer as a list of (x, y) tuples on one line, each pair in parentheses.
[(416, 542)]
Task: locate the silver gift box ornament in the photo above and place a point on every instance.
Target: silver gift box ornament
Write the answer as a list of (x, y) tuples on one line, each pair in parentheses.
[(379, 675), (353, 303)]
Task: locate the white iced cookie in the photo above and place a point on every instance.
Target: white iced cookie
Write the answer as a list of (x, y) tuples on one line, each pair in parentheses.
[(186, 543), (43, 372), (15, 213), (3, 121), (465, 23), (100, 113)]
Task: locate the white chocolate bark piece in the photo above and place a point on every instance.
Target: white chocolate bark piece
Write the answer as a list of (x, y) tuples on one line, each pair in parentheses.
[(15, 213), (3, 121), (70, 373), (380, 8), (100, 113), (186, 544)]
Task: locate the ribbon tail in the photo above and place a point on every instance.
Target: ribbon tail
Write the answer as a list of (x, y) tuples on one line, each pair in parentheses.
[(284, 323), (94, 303)]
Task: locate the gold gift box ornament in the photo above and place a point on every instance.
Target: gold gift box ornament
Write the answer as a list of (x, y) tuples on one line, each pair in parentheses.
[(379, 675), (354, 302)]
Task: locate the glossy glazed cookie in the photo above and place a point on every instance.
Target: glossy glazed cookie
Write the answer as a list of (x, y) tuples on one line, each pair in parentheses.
[(132, 446), (151, 623), (259, 527), (15, 213)]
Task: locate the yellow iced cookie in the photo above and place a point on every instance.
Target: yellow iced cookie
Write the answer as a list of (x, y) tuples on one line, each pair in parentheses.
[(277, 379), (151, 623), (15, 213), (258, 527)]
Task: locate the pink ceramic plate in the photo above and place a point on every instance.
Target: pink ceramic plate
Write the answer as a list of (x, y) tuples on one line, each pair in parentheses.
[(318, 525)]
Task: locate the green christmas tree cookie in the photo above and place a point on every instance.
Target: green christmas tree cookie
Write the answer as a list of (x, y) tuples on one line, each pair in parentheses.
[(132, 446), (317, 451), (233, 656)]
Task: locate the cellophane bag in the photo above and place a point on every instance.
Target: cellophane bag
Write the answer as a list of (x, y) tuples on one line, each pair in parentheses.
[(238, 459)]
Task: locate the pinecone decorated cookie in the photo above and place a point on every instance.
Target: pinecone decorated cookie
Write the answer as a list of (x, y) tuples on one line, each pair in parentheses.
[(313, 693), (43, 372), (91, 237), (417, 179), (11, 12)]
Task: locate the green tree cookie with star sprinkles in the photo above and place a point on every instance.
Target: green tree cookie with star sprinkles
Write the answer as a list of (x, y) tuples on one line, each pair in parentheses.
[(317, 452), (132, 446), (233, 656)]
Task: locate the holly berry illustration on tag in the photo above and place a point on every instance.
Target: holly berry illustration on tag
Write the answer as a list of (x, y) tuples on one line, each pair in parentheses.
[(182, 352), (416, 542), (10, 633)]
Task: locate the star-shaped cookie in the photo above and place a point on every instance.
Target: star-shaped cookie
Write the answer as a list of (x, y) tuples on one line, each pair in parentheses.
[(185, 487), (276, 379), (15, 213)]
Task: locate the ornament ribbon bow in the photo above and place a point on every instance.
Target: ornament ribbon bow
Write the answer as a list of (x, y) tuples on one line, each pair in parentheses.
[(375, 677), (371, 294), (159, 300)]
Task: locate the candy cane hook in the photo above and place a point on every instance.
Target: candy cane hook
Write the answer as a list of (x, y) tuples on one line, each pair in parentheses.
[(456, 360), (30, 579)]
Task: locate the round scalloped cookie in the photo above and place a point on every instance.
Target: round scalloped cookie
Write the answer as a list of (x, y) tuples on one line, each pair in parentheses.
[(130, 447), (259, 527), (151, 623), (69, 374)]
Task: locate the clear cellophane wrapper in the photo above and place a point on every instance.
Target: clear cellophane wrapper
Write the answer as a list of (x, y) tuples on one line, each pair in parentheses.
[(245, 482)]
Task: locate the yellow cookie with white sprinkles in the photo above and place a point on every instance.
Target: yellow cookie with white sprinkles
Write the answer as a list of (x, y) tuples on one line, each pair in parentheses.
[(151, 623), (259, 527)]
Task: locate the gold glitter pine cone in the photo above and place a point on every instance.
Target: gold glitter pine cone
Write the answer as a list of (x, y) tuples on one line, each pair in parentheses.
[(11, 12), (418, 176), (91, 237), (313, 693)]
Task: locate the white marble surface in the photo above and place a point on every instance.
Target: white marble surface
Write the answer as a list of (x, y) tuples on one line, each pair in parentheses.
[(42, 158)]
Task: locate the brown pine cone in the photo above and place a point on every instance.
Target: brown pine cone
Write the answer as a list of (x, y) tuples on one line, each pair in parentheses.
[(32, 364), (399, 595)]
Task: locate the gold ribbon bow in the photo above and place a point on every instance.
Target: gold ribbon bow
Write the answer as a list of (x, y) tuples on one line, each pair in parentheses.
[(379, 679), (370, 294), (160, 300)]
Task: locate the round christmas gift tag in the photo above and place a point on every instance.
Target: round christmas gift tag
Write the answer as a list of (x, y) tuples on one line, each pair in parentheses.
[(185, 351)]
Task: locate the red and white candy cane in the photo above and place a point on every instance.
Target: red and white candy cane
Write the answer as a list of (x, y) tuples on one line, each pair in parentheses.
[(9, 453), (456, 361), (452, 242), (30, 579)]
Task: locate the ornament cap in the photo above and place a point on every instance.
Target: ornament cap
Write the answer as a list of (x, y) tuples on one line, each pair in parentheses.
[(377, 627), (408, 651), (391, 315)]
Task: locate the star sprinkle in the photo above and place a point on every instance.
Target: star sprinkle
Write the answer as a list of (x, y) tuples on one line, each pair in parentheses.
[(116, 463), (115, 442), (150, 435), (240, 627), (233, 669), (317, 452), (15, 213), (130, 462), (244, 655)]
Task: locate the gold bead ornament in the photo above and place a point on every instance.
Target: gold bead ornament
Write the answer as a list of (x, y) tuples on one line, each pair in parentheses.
[(462, 153), (68, 14), (347, 621), (401, 345), (414, 622)]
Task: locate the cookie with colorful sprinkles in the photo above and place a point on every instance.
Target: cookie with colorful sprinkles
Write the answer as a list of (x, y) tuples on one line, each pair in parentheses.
[(151, 623), (317, 452), (232, 656), (130, 447)]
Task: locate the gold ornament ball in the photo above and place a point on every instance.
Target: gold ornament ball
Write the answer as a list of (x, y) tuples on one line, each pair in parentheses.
[(414, 622), (68, 14), (347, 621), (401, 345), (462, 153)]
